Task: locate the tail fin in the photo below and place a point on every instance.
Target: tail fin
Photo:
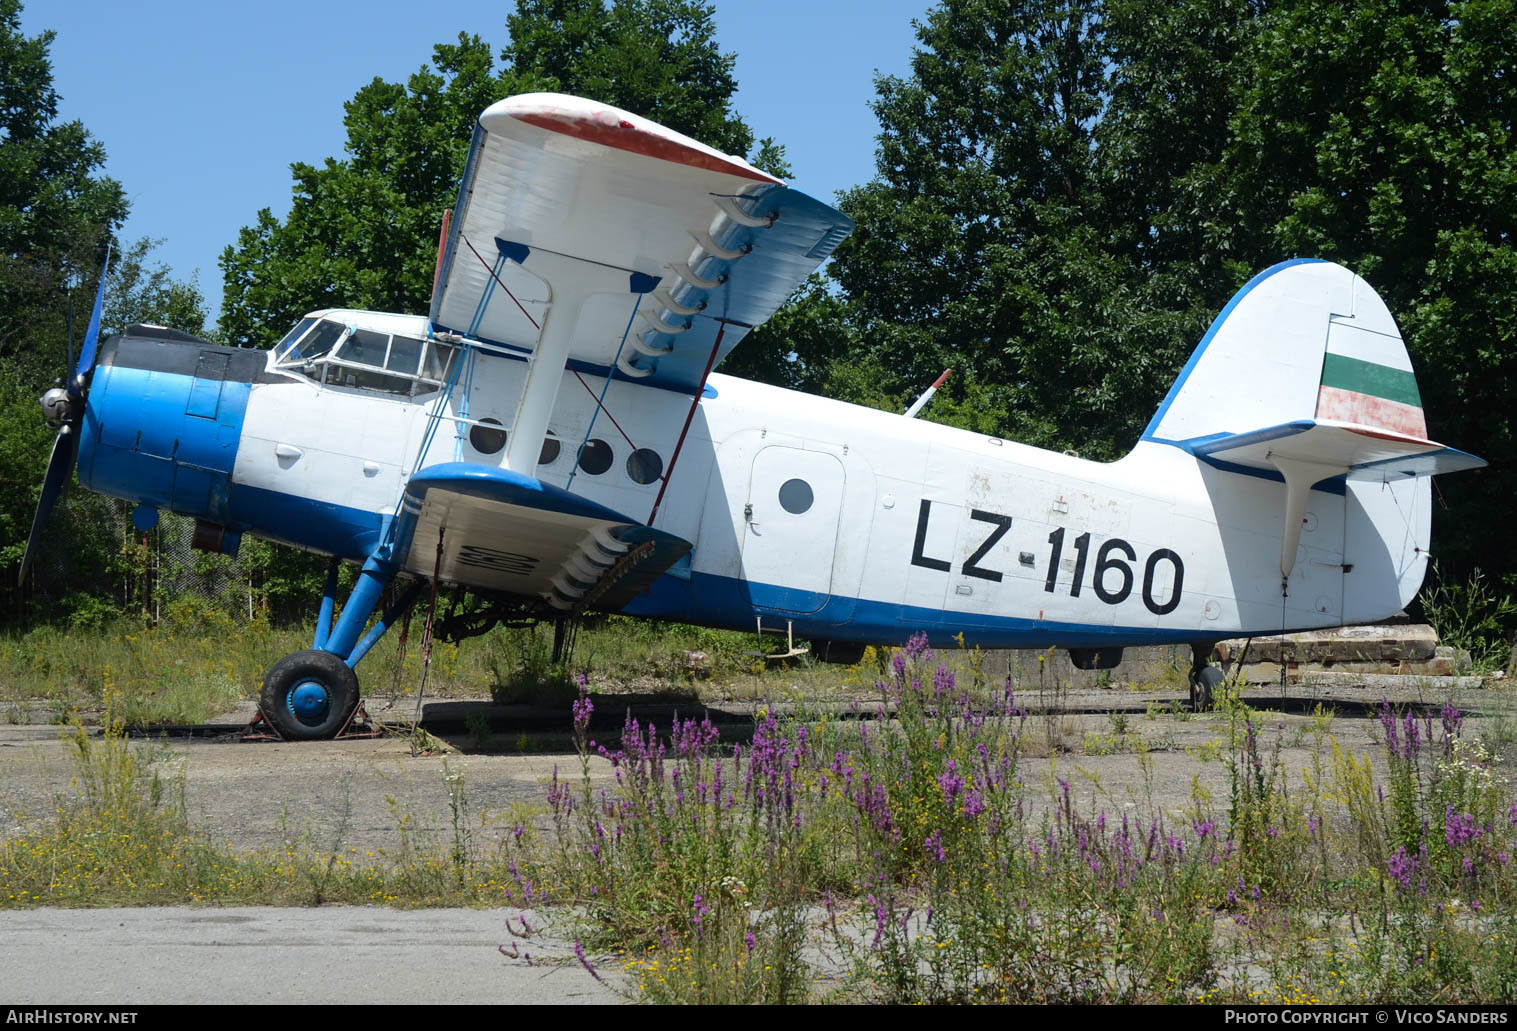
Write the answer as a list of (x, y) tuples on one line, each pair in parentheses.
[(1305, 339), (1304, 377)]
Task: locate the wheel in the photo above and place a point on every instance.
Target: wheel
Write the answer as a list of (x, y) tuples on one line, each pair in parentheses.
[(1202, 685), (309, 695)]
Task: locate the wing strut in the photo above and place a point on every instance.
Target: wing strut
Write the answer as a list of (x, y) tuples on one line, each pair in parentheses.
[(700, 388), (571, 282)]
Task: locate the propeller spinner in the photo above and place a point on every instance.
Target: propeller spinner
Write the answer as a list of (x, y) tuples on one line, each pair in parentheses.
[(63, 406)]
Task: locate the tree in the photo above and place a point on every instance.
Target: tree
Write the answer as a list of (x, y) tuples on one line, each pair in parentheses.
[(57, 213), (1067, 193), (362, 230), (139, 293), (1380, 136), (980, 242)]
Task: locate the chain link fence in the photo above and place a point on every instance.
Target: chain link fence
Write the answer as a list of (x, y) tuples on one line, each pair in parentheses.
[(92, 561)]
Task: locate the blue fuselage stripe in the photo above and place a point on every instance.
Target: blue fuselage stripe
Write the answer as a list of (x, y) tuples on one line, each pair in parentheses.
[(726, 601)]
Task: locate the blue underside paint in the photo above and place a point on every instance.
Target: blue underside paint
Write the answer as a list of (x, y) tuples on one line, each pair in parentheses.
[(1331, 485), (1429, 463), (349, 533), (723, 601), (1205, 449)]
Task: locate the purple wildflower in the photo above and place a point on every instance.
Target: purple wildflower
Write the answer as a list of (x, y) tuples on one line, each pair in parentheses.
[(1402, 867), (917, 646), (951, 783), (1459, 828), (579, 952), (1453, 720), (942, 683)]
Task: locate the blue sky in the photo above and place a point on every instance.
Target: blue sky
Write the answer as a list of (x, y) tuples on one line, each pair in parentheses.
[(202, 105)]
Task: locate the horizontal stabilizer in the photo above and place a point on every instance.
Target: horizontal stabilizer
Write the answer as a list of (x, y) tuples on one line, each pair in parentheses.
[(508, 532), (1360, 452), (1308, 451)]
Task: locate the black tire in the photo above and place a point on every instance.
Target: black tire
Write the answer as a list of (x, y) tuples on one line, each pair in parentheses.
[(1202, 686), (309, 695)]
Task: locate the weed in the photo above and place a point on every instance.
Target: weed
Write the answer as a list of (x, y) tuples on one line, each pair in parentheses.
[(478, 728), (1472, 616), (939, 876)]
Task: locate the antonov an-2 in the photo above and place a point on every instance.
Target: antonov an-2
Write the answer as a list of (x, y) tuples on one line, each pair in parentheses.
[(552, 432)]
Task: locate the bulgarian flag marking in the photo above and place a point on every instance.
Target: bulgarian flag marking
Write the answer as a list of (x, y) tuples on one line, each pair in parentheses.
[(1358, 391)]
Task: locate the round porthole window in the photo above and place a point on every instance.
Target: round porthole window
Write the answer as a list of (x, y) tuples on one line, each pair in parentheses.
[(549, 453), (795, 496), (487, 439), (596, 457), (644, 465)]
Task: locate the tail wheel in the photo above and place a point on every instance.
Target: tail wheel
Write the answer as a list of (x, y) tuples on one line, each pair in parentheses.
[(309, 695), (1203, 684)]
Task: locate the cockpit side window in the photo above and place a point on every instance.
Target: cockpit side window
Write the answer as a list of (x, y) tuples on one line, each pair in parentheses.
[(332, 353), (439, 359), (405, 355), (363, 347)]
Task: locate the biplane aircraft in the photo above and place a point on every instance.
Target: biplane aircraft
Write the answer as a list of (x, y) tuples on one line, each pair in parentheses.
[(552, 433)]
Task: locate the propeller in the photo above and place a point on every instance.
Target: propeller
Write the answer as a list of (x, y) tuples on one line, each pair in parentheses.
[(63, 406)]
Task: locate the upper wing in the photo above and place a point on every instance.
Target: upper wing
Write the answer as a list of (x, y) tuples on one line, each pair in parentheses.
[(703, 238), (504, 531)]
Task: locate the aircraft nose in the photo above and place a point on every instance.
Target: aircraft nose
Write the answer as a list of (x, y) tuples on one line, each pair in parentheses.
[(164, 420)]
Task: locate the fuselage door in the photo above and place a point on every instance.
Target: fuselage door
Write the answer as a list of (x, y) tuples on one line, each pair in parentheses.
[(795, 499)]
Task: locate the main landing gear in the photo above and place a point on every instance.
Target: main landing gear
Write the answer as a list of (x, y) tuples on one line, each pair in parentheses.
[(310, 695), (1204, 677)]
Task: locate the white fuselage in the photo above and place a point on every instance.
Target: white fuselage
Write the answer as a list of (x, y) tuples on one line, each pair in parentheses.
[(865, 525)]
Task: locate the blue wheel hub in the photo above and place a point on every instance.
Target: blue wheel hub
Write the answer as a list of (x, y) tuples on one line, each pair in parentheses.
[(309, 702)]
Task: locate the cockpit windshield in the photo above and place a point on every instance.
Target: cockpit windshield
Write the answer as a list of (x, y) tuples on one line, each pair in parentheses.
[(316, 343), (334, 353)]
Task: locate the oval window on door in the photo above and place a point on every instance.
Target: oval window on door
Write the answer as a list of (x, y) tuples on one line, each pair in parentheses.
[(796, 496)]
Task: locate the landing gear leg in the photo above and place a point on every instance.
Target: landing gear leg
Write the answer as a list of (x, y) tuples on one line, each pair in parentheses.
[(310, 695), (1204, 677), (560, 628)]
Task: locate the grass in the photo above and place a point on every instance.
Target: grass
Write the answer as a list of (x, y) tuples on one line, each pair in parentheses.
[(199, 662), (907, 858)]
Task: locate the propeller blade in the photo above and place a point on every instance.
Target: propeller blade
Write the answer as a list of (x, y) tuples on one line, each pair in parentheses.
[(91, 335), (54, 485)]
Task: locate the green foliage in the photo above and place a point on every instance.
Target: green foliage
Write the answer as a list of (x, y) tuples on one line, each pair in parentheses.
[(138, 293), (1379, 135), (57, 212), (988, 240), (1474, 616), (1066, 195)]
